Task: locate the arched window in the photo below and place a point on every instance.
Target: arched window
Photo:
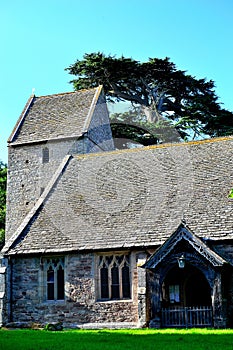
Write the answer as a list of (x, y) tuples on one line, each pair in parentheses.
[(114, 277), (45, 155), (54, 268)]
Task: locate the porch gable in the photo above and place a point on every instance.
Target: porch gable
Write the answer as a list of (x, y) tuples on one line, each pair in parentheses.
[(184, 233)]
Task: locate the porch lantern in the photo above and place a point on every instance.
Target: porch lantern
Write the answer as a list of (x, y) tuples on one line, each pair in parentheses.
[(181, 261)]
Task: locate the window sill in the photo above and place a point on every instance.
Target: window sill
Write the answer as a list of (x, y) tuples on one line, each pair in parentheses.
[(108, 301), (54, 302)]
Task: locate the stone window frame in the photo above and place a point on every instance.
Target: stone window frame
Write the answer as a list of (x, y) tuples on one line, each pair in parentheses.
[(112, 257), (52, 263)]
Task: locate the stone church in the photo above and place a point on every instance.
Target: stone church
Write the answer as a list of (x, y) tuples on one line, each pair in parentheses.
[(99, 237)]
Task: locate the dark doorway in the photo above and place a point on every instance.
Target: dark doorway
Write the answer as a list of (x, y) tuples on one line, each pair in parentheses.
[(185, 287), (196, 289), (186, 299)]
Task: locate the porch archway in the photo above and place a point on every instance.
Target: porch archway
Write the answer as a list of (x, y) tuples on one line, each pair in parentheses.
[(192, 293), (187, 287)]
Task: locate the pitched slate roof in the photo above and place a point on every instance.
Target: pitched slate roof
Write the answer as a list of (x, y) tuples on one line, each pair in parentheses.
[(55, 116), (134, 198), (183, 233)]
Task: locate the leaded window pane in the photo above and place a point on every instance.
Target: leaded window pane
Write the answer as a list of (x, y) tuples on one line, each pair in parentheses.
[(50, 284), (115, 282), (60, 283), (104, 282), (125, 282), (55, 280), (50, 275)]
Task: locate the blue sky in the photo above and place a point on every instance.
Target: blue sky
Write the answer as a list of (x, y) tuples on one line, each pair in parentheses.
[(40, 39)]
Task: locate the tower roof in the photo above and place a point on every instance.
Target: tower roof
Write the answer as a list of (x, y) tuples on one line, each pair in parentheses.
[(56, 116)]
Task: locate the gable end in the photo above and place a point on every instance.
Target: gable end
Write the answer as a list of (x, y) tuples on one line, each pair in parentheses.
[(184, 233)]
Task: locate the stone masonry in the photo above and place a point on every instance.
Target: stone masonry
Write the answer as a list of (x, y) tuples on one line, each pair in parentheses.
[(86, 200), (81, 307)]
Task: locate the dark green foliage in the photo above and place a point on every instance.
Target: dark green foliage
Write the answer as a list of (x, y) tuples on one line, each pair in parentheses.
[(190, 103), (231, 193), (133, 128), (3, 177)]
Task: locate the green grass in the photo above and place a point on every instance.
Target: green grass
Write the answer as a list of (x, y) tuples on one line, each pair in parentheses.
[(144, 339)]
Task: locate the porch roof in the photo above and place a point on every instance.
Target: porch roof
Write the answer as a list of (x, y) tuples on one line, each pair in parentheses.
[(184, 233)]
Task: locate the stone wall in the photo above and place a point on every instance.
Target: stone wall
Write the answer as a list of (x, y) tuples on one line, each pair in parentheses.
[(80, 307), (28, 176)]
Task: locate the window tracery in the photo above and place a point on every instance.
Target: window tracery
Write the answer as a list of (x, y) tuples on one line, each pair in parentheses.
[(54, 274), (114, 277)]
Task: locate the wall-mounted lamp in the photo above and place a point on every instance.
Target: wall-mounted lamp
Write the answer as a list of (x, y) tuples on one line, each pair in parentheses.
[(181, 261)]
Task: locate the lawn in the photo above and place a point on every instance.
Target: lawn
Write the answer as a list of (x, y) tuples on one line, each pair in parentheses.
[(116, 339)]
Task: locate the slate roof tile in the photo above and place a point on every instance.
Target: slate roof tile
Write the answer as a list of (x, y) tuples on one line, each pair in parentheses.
[(53, 116), (136, 198)]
